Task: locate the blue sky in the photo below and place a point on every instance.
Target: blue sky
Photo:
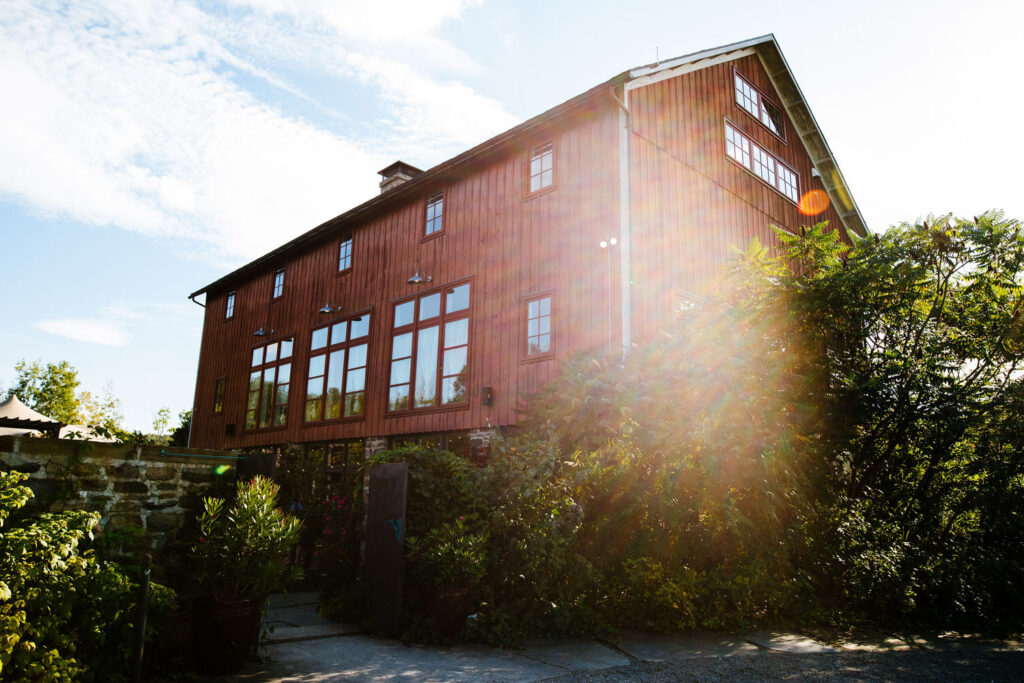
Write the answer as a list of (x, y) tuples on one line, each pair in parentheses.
[(146, 148)]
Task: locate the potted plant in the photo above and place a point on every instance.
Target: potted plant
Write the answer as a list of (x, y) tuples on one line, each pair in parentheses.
[(241, 559), (449, 561)]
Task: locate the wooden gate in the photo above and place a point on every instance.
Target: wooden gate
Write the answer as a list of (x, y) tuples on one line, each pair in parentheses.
[(385, 544)]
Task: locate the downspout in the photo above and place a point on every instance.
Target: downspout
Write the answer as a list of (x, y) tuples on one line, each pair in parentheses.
[(625, 232)]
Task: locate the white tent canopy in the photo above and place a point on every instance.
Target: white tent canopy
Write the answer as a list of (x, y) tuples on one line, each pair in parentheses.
[(14, 409)]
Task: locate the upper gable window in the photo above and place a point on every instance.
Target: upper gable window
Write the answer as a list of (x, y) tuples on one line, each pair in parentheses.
[(229, 306), (542, 172), (757, 105), (344, 254), (761, 163), (435, 214), (278, 282)]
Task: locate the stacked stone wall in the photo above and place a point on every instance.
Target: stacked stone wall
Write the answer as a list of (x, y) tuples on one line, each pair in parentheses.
[(148, 496)]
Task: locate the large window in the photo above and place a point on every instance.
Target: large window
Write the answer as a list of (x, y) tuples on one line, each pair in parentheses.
[(435, 213), (278, 282), (336, 381), (229, 306), (757, 105), (269, 378), (538, 326), (542, 172), (430, 350), (344, 254), (761, 163)]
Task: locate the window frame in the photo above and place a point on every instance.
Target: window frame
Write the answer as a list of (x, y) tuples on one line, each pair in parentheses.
[(326, 351), (761, 99), (350, 256), (750, 156), (229, 305), (426, 214), (261, 368), (534, 149), (219, 386), (524, 337), (277, 287), (413, 328)]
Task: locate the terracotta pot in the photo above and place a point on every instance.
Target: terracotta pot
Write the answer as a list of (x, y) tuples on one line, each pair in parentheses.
[(223, 634), (448, 608)]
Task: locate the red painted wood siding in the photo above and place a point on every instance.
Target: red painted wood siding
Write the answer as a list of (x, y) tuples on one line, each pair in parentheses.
[(691, 204), (510, 243)]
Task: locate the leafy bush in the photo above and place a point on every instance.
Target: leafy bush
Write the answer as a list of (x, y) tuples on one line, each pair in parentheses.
[(63, 615), (242, 550), (448, 556)]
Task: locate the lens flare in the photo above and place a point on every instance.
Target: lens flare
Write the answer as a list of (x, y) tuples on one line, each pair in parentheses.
[(813, 202)]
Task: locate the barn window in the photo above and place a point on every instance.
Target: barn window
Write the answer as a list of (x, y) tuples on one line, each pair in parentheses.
[(542, 167), (538, 326), (229, 306), (344, 254), (762, 163), (435, 213), (218, 396), (430, 350), (278, 282), (336, 380), (757, 105), (269, 379)]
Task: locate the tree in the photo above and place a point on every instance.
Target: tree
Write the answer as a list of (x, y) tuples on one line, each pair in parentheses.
[(161, 420), (48, 389), (179, 437), (102, 411)]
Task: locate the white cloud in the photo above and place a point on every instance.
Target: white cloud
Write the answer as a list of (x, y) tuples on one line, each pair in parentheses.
[(93, 331), (132, 114)]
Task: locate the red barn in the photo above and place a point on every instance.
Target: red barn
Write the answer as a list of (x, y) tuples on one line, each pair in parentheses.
[(429, 310)]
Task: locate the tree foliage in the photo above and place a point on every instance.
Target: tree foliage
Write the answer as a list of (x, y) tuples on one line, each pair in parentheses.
[(50, 389)]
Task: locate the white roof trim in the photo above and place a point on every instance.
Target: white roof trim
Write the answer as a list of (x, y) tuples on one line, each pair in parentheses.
[(667, 72)]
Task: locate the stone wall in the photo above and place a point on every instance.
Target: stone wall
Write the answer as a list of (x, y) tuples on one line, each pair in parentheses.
[(148, 496)]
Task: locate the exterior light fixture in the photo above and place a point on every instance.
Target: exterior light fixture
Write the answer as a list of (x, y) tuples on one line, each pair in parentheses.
[(604, 244), (259, 333), (327, 309), (418, 279)]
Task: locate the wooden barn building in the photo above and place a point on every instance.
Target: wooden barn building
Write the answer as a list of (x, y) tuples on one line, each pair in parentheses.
[(426, 312)]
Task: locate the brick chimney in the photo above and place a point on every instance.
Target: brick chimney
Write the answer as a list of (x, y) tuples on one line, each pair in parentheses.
[(396, 174)]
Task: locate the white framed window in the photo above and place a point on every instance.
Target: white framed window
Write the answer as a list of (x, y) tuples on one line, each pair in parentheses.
[(344, 254), (278, 282), (435, 213), (751, 100), (538, 326), (229, 306), (762, 163), (542, 171)]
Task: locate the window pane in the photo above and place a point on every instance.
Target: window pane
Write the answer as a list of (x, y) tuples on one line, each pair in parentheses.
[(271, 354), (545, 324), (360, 326), (335, 374), (531, 327), (316, 365), (457, 299), (357, 356), (333, 404), (456, 333), (314, 389), (354, 403), (284, 373), (454, 361), (356, 380), (286, 348), (313, 409), (398, 398), (545, 306), (338, 333), (402, 346), (254, 382), (400, 371), (319, 339), (218, 396), (453, 390), (267, 397), (404, 313), (430, 306), (533, 309), (281, 407), (250, 419), (426, 366), (257, 356), (544, 343)]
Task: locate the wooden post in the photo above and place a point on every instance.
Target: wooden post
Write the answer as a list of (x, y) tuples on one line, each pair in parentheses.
[(385, 544)]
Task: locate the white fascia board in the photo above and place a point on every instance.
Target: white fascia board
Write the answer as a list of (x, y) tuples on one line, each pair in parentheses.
[(667, 71)]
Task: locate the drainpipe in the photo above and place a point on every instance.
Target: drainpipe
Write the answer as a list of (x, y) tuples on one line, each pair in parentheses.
[(625, 233)]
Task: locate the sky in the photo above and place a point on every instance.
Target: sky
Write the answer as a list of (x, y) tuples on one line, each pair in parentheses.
[(148, 148)]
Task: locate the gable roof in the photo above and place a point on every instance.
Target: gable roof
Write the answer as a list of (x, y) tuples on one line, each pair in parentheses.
[(765, 47)]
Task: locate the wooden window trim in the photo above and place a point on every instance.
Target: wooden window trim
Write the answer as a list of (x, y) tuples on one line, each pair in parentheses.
[(220, 383), (276, 363), (275, 295), (440, 320), (750, 170), (782, 135), (326, 352), (444, 215), (351, 255), (531, 194), (230, 301), (524, 321)]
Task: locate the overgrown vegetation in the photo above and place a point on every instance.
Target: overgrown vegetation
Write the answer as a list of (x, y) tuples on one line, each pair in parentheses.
[(64, 615), (835, 436)]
